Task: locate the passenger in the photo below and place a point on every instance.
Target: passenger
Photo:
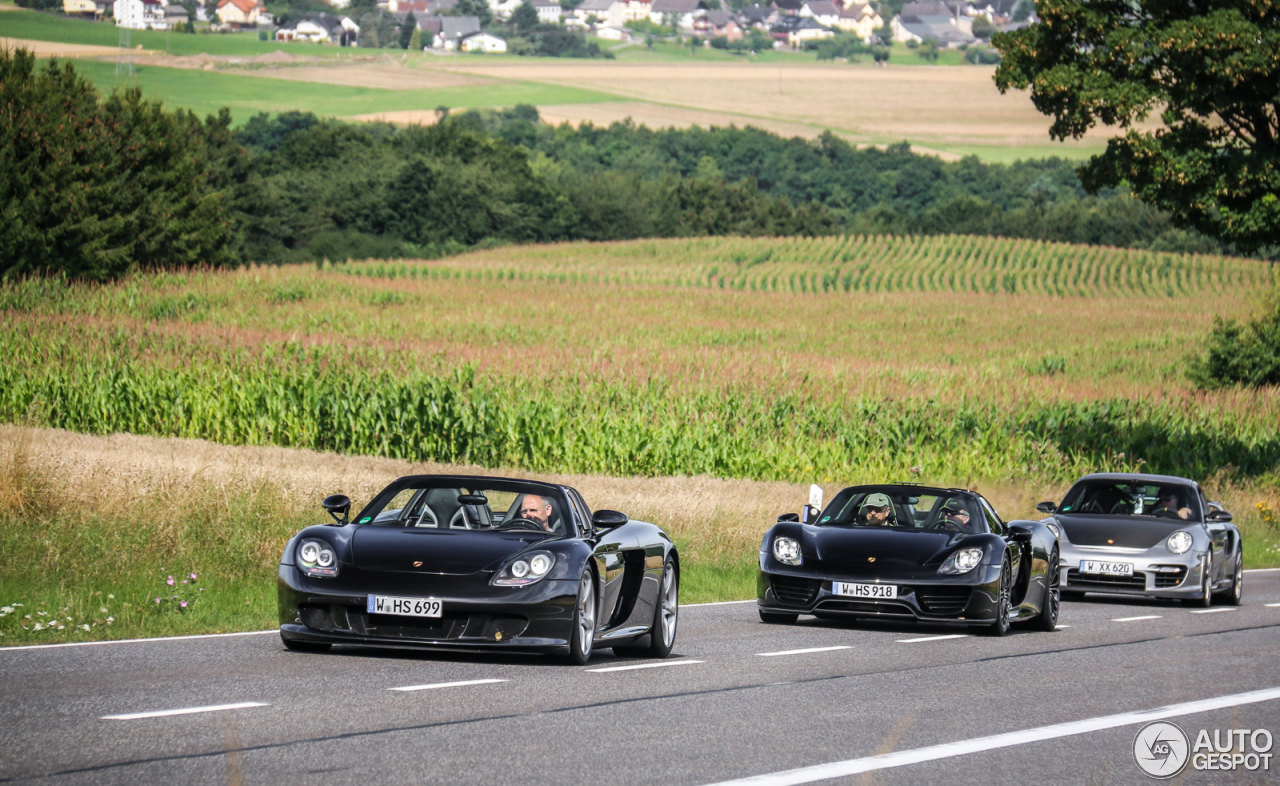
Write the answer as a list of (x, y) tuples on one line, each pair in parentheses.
[(877, 511), (955, 516), (537, 509), (1170, 506)]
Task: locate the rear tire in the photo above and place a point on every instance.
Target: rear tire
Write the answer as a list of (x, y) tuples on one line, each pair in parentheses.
[(583, 637), (304, 646), (773, 618), (1047, 619), (1001, 626)]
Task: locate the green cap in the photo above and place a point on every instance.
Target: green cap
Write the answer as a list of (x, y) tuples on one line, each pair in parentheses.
[(954, 506), (876, 501)]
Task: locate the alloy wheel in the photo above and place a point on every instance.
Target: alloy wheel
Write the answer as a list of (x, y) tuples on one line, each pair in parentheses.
[(670, 605), (1054, 595), (586, 616)]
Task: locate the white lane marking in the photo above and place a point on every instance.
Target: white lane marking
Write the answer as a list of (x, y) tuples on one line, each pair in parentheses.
[(934, 638), (841, 769), (138, 641), (1261, 570), (1272, 605), (648, 666), (185, 711), (446, 685), (800, 652), (717, 603), (1210, 611), (1135, 619), (1060, 627)]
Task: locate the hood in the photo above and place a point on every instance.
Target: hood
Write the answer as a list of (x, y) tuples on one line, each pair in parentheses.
[(1130, 532), (440, 551), (850, 551)]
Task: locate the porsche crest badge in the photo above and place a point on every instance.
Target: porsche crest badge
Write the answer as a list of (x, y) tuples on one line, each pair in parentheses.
[(417, 564), (871, 559)]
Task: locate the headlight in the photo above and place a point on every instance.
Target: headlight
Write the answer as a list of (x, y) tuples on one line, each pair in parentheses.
[(787, 550), (527, 569), (1057, 533), (962, 561), (316, 558), (1179, 542)]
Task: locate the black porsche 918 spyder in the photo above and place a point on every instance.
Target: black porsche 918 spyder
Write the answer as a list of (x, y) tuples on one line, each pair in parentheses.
[(480, 563), (909, 552)]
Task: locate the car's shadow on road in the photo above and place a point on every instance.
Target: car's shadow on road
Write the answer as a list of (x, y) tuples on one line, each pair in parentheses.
[(600, 658)]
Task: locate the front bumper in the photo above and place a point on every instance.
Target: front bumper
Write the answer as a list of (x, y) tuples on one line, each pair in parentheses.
[(1163, 575), (971, 598), (476, 616)]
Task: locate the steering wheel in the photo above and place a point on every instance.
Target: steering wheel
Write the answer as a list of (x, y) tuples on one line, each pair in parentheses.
[(947, 525), (519, 523), (1165, 513)]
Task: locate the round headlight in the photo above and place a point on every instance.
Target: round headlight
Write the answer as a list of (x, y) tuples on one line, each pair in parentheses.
[(325, 559), (309, 553), (787, 550), (520, 569), (540, 564), (1179, 542)]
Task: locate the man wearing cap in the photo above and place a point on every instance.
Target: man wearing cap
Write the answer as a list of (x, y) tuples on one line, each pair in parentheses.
[(877, 511), (954, 516)]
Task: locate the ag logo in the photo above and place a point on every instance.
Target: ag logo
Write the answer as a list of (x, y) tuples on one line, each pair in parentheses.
[(1161, 749)]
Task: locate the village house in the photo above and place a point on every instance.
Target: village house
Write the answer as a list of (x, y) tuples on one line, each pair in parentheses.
[(607, 12), (453, 29), (756, 15), (825, 11), (679, 12), (796, 31), (717, 23), (924, 20), (240, 13), (483, 42), (321, 28), (139, 14), (549, 11), (86, 9), (175, 15), (861, 19)]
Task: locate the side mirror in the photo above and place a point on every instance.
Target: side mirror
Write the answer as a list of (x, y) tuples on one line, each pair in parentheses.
[(789, 517), (1020, 534), (1219, 515), (608, 519), (338, 506), (1047, 508)]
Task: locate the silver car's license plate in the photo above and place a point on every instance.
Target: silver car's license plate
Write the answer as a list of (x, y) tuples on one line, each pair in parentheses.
[(848, 590), (1106, 568), (407, 607)]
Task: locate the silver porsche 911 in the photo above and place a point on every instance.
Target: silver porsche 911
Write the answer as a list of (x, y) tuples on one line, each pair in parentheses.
[(1152, 535)]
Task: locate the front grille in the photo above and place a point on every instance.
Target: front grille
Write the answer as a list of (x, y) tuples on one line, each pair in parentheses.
[(944, 601), (883, 608), (796, 591), (317, 618), (1169, 579), (450, 627), (1078, 580)]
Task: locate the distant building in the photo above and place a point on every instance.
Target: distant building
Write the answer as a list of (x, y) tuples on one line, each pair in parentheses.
[(717, 23), (483, 42), (608, 12), (796, 31), (755, 15), (139, 14), (321, 28), (919, 21), (455, 28), (861, 19), (613, 33), (825, 11), (175, 15), (86, 9), (240, 13), (681, 11), (549, 11)]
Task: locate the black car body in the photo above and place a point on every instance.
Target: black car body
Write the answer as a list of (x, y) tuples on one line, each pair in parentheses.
[(461, 542), (910, 568)]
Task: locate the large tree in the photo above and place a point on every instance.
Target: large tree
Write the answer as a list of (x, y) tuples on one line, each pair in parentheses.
[(1210, 67)]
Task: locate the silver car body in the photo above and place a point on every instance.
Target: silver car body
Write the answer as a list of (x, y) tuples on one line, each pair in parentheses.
[(1142, 542)]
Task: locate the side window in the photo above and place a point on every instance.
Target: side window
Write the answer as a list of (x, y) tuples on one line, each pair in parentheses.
[(993, 521), (581, 513)]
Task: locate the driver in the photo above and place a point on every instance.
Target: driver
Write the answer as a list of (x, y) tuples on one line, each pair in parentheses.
[(955, 515), (877, 511), (537, 509), (1170, 505)]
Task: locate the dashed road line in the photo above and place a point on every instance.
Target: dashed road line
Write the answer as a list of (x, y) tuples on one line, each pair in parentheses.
[(1060, 627), (136, 641), (1135, 619), (934, 638), (843, 769), (185, 711), (435, 685), (1272, 605), (800, 652), (1210, 611), (647, 666)]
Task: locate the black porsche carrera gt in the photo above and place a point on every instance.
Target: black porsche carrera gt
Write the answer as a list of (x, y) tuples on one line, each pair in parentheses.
[(912, 553), (481, 564)]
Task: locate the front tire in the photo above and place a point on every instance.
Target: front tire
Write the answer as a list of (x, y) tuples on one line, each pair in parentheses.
[(1047, 619), (1001, 626), (1233, 594), (1205, 599), (583, 637), (773, 618), (304, 646)]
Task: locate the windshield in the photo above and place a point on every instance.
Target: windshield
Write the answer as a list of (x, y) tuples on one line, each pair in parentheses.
[(1133, 498), (490, 507), (907, 509)]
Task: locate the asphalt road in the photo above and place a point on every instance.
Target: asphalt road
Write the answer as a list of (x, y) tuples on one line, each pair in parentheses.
[(734, 702)]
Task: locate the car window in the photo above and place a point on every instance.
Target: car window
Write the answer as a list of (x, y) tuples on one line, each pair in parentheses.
[(993, 519), (912, 508), (1139, 497), (582, 513), (438, 504)]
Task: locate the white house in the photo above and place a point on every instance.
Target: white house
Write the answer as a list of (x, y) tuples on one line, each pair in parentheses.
[(320, 28), (613, 33), (682, 11), (140, 14), (608, 12), (825, 11), (483, 42), (549, 11)]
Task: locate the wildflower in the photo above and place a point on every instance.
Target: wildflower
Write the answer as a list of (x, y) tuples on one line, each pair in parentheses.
[(103, 610), (7, 610), (62, 627), (183, 604), (42, 614), (184, 581), (110, 620), (175, 597), (38, 627), (170, 581), (27, 617), (202, 589), (113, 597), (192, 577), (157, 601), (68, 619), (84, 627)]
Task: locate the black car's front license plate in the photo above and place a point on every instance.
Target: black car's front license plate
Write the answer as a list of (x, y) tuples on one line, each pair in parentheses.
[(850, 590), (407, 607)]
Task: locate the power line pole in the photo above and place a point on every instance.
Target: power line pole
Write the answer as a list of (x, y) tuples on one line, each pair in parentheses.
[(124, 62)]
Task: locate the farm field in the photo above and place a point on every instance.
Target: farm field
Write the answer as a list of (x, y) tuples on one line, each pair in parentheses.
[(945, 110), (697, 383)]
